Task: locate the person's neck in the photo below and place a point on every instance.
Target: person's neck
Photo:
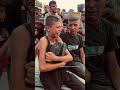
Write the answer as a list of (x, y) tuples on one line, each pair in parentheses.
[(71, 35), (51, 39), (52, 13)]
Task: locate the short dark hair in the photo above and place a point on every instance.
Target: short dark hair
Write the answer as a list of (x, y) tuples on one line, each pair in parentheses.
[(52, 2), (51, 19)]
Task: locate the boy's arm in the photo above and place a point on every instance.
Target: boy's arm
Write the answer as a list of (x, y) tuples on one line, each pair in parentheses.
[(45, 67), (82, 55), (87, 76), (52, 57), (113, 69)]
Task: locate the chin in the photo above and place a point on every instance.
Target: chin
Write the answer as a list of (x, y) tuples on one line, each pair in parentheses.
[(56, 36)]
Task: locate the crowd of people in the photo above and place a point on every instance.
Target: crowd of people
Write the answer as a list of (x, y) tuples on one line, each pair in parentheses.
[(57, 29)]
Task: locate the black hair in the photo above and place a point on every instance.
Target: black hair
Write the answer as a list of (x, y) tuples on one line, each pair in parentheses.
[(52, 2), (51, 19)]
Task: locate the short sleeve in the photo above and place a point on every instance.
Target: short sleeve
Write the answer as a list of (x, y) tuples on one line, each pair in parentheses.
[(81, 45)]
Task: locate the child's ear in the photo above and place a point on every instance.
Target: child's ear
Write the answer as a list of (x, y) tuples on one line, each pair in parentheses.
[(47, 28)]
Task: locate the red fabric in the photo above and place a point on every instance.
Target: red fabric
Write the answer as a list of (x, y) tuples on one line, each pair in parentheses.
[(3, 60), (36, 52), (4, 63)]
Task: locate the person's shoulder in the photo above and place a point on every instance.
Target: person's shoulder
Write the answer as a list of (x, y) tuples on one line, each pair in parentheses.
[(43, 40), (19, 29), (79, 36), (47, 14), (108, 27), (106, 22), (20, 32)]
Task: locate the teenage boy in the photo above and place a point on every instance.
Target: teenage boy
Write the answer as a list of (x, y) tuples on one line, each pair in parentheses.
[(53, 74), (75, 46), (100, 45)]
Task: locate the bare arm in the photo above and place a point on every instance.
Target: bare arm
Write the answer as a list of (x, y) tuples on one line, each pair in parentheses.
[(82, 55), (18, 47), (45, 67), (113, 69), (67, 58), (52, 57), (87, 76)]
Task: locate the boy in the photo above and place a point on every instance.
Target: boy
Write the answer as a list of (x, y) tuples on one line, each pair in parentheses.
[(75, 46), (100, 48), (52, 75)]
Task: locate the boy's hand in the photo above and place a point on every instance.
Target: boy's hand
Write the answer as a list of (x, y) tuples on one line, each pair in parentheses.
[(50, 57), (63, 64)]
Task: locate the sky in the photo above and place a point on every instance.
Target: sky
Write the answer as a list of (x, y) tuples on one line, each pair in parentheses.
[(66, 4)]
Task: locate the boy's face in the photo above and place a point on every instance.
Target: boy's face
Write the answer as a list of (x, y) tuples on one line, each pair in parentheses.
[(74, 27), (94, 10), (31, 5), (53, 8), (2, 14), (64, 28), (46, 8), (83, 17), (55, 29)]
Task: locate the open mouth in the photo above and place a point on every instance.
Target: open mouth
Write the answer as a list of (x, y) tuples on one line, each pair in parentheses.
[(91, 13)]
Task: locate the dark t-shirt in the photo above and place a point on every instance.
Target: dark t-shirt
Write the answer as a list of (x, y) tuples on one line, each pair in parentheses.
[(99, 40), (73, 44)]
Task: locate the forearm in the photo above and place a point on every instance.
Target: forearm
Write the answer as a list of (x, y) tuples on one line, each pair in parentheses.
[(87, 76), (115, 75), (82, 56), (50, 67), (114, 70), (66, 58)]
